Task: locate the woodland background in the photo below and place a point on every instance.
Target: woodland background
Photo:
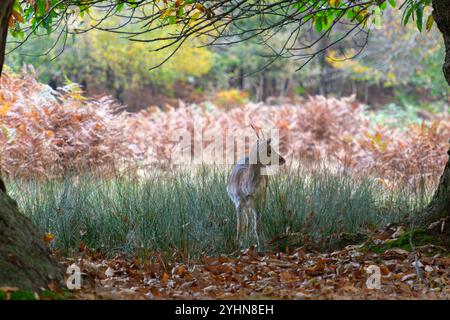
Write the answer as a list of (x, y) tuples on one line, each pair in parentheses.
[(86, 151)]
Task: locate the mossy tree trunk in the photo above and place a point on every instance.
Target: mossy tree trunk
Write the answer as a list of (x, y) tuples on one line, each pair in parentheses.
[(25, 261), (439, 207)]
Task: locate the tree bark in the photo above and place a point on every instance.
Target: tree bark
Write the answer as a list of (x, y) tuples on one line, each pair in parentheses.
[(439, 207), (25, 261), (5, 12), (441, 14)]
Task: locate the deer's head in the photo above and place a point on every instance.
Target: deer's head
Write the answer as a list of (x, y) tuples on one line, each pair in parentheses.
[(264, 155)]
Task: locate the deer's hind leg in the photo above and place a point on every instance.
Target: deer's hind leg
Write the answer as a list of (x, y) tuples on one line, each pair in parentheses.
[(239, 223)]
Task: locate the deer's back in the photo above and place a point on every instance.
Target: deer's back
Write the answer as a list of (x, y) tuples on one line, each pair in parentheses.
[(243, 182)]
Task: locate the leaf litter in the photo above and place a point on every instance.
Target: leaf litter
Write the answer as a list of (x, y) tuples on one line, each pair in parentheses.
[(341, 274)]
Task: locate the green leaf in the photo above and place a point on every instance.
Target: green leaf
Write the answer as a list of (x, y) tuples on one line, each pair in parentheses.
[(298, 6), (419, 16), (408, 13), (318, 24), (328, 21), (392, 3), (120, 6), (350, 14), (19, 34), (17, 7), (172, 19), (40, 6)]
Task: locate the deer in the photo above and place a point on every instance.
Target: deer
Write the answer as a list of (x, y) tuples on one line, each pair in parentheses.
[(247, 186)]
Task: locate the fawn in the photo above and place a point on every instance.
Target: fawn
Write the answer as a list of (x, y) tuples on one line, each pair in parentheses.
[(247, 185)]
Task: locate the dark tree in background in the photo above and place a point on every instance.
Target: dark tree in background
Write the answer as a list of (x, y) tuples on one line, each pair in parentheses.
[(441, 14), (6, 7), (218, 23)]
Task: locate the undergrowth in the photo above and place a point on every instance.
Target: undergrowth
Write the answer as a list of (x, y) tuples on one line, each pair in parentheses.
[(189, 214)]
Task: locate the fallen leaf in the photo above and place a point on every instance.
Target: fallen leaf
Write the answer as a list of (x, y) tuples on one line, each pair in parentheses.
[(109, 272), (48, 237), (165, 277)]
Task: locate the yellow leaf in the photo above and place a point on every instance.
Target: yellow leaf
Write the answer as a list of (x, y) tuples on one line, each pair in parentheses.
[(377, 137), (363, 13), (430, 21), (4, 109), (383, 146), (200, 7), (48, 237), (334, 3), (391, 76), (18, 16)]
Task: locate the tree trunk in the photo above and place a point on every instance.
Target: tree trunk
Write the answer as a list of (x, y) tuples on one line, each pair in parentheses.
[(441, 14), (25, 261), (5, 12), (439, 207)]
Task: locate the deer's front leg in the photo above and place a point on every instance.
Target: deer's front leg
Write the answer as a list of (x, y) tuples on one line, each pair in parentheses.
[(256, 226)]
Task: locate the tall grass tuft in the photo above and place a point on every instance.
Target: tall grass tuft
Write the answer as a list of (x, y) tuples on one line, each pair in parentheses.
[(189, 213)]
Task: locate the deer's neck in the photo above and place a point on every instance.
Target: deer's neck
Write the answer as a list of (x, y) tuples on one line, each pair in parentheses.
[(254, 173)]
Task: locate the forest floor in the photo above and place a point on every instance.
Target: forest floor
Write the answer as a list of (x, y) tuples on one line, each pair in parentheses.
[(385, 266), (339, 275), (350, 273)]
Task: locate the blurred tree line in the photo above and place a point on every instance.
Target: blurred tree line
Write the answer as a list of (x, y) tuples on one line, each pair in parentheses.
[(398, 64)]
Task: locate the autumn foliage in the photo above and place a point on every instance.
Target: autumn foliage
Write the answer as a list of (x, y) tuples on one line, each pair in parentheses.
[(48, 133)]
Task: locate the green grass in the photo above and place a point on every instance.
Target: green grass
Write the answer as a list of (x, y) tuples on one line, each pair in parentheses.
[(28, 295), (419, 237), (18, 295), (402, 115), (189, 214)]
